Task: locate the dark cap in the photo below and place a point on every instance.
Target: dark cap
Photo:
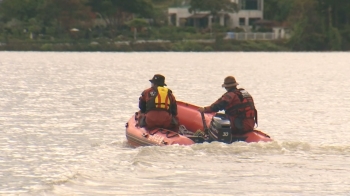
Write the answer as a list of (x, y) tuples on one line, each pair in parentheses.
[(158, 79), (229, 81)]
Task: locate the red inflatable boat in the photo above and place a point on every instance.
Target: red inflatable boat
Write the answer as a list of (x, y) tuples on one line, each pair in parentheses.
[(195, 127)]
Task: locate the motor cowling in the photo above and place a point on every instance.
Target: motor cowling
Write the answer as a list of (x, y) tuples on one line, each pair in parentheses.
[(220, 129)]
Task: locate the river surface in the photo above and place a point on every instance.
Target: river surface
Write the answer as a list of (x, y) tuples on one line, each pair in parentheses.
[(63, 115)]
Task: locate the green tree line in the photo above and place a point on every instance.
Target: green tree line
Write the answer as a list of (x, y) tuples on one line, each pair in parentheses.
[(58, 17), (314, 24)]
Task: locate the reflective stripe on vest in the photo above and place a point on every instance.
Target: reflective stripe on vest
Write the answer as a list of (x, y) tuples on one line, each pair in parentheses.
[(246, 109), (162, 100)]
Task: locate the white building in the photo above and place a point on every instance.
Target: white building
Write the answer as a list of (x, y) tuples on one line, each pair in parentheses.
[(249, 12)]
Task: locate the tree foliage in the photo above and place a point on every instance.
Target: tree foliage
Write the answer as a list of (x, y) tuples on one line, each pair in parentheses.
[(22, 10), (66, 13), (277, 10), (314, 24), (116, 12), (62, 15), (307, 26), (137, 23)]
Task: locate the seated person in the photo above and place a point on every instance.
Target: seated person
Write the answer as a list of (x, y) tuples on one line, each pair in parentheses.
[(158, 106)]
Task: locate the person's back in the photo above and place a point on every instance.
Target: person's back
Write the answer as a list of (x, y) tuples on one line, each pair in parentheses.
[(238, 105), (158, 105), (240, 110)]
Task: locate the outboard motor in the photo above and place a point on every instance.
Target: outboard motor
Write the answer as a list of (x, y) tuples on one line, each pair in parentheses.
[(220, 129)]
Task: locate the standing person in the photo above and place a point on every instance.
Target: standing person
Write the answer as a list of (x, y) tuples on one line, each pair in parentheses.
[(158, 105), (238, 105)]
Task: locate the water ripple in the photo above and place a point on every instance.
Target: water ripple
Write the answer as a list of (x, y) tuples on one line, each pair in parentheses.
[(63, 115)]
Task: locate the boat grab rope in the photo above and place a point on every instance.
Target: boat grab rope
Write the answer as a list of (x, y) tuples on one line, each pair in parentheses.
[(184, 131), (164, 131)]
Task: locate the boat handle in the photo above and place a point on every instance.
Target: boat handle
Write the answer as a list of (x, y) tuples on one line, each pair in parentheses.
[(145, 135)]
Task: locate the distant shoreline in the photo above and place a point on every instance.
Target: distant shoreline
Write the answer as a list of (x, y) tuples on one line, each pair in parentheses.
[(148, 45)]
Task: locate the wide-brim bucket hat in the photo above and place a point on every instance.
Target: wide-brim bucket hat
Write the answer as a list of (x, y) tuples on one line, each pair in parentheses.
[(158, 79), (230, 81)]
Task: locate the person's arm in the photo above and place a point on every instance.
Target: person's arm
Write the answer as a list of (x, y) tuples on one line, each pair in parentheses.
[(173, 104), (218, 105), (142, 102)]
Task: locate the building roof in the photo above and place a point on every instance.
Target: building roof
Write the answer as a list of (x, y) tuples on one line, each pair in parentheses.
[(264, 22), (198, 15)]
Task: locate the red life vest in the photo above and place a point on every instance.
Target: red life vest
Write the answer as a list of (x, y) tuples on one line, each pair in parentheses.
[(244, 110)]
